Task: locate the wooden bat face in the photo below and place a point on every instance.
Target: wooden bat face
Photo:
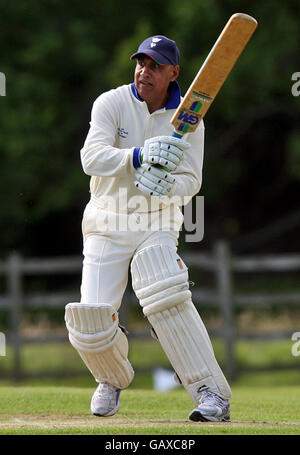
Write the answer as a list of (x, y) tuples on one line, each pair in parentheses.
[(213, 73)]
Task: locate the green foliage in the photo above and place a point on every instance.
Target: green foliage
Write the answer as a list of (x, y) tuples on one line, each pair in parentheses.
[(59, 56), (293, 155)]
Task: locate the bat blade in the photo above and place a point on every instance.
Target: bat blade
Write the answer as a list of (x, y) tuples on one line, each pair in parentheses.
[(213, 73)]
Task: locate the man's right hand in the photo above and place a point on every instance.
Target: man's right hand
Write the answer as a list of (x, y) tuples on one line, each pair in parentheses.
[(168, 151), (154, 180)]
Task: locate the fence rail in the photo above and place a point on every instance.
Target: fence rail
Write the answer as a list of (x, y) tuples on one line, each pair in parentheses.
[(223, 296)]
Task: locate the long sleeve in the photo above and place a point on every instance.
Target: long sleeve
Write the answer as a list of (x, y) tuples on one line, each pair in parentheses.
[(120, 123), (188, 174), (99, 155)]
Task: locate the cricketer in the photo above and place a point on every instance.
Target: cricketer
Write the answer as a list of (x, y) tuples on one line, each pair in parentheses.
[(141, 176)]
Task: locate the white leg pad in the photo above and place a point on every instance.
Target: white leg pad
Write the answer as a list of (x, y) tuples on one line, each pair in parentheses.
[(160, 281), (94, 331)]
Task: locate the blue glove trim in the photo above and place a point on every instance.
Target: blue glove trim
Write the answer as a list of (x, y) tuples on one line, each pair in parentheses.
[(136, 157)]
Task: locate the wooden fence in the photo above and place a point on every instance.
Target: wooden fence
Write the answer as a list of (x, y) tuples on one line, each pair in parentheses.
[(223, 296)]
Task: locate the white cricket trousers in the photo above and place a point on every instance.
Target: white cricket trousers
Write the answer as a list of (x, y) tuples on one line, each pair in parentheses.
[(108, 251)]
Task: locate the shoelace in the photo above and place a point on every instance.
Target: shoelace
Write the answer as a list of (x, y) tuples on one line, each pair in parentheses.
[(212, 398), (103, 387), (106, 391)]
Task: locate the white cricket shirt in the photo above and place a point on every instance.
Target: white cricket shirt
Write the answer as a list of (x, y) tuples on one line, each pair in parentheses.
[(120, 122)]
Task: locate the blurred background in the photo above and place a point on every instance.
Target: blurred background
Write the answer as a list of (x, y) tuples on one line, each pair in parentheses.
[(57, 58)]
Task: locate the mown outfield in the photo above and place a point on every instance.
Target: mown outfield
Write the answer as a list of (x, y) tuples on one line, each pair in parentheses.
[(65, 411), (263, 403)]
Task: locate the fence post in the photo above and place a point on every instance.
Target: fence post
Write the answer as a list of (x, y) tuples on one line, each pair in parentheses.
[(16, 298), (224, 291)]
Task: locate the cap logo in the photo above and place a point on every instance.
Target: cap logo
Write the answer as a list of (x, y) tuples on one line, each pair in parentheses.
[(160, 48), (155, 41)]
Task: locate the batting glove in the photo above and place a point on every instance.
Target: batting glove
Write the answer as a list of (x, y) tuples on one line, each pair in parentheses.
[(153, 180), (168, 151)]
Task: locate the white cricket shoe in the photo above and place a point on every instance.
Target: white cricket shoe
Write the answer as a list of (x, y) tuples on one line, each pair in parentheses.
[(105, 400), (211, 408)]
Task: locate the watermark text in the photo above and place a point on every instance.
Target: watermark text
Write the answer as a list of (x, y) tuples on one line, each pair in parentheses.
[(2, 345), (140, 213), (296, 86), (2, 84), (296, 346)]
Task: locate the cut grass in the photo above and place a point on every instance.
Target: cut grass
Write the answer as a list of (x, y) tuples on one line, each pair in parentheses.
[(267, 403), (61, 410)]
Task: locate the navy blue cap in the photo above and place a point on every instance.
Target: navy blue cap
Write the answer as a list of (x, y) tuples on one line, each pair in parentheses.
[(161, 49)]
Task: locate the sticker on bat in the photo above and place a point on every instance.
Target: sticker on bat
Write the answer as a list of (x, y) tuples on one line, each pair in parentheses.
[(201, 96), (183, 128), (196, 106), (188, 118)]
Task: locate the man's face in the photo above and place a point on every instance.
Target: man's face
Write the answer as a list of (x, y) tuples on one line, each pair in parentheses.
[(152, 80)]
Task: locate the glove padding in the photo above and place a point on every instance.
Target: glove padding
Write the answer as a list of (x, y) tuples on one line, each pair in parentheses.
[(153, 180), (167, 151)]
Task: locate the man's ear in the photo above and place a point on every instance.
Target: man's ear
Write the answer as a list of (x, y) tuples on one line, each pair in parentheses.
[(176, 70)]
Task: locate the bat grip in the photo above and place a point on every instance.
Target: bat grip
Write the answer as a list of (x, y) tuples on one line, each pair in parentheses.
[(175, 134)]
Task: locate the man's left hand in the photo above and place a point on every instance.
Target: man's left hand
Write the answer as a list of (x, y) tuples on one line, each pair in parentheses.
[(168, 151)]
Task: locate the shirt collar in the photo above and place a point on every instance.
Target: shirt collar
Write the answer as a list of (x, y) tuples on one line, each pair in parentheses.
[(174, 99)]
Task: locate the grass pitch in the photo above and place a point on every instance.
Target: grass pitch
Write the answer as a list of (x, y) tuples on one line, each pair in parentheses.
[(65, 411), (265, 403)]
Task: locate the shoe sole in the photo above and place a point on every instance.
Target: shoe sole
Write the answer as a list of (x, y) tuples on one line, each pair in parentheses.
[(103, 415), (108, 414), (196, 416)]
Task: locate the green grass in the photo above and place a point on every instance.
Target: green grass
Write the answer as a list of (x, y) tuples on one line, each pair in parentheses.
[(63, 358), (266, 403), (63, 410)]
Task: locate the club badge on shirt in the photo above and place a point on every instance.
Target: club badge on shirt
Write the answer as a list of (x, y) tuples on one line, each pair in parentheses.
[(122, 133)]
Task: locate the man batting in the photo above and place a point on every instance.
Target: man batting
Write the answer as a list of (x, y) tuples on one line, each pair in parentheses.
[(139, 171)]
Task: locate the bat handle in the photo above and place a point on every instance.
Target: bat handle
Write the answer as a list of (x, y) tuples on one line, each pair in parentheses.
[(175, 134)]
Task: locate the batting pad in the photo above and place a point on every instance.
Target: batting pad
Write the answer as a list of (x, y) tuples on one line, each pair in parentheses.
[(160, 281), (94, 331)]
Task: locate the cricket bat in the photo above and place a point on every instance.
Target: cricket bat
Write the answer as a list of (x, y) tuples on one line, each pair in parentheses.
[(213, 73)]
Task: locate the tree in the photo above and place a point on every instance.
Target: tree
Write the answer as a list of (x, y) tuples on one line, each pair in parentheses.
[(58, 57)]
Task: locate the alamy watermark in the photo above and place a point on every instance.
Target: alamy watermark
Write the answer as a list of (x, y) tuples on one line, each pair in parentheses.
[(139, 213), (2, 84), (296, 346), (296, 86), (2, 344)]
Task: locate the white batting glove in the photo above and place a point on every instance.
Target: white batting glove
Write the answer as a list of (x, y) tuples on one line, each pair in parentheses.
[(153, 180), (168, 151)]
